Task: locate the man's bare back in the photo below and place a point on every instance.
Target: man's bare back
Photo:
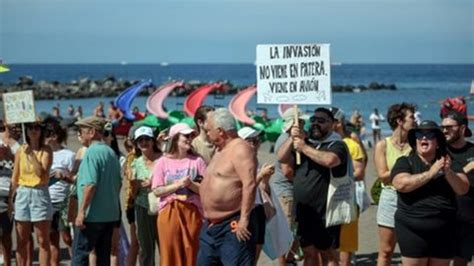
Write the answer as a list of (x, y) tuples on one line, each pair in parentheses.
[(222, 186)]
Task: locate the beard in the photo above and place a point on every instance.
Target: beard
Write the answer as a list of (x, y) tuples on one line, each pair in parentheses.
[(317, 133), (454, 138)]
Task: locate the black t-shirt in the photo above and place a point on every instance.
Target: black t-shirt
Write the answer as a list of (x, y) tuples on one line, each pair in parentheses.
[(465, 202), (435, 198), (311, 182)]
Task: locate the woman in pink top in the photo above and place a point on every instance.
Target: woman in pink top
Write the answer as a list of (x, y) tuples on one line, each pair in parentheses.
[(176, 178)]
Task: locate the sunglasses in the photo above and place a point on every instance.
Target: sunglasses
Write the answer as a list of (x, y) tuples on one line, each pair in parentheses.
[(430, 135), (34, 127), (318, 120), (448, 127)]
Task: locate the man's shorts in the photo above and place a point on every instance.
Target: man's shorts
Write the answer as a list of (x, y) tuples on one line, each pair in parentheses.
[(59, 222), (33, 204), (287, 206), (349, 241), (312, 229), (217, 243), (6, 224), (465, 240), (261, 222)]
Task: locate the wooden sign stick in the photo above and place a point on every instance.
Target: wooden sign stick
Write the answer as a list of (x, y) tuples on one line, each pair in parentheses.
[(298, 155)]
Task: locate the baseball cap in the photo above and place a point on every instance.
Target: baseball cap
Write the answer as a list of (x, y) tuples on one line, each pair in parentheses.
[(289, 117), (248, 133), (337, 113), (180, 128), (143, 131), (460, 119), (92, 122)]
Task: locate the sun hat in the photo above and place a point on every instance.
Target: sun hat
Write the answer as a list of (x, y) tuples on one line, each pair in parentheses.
[(430, 126), (289, 117), (248, 133), (180, 128), (92, 122), (460, 119), (143, 131)]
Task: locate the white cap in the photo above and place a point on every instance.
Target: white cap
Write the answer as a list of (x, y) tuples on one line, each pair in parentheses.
[(289, 117), (143, 131), (248, 133)]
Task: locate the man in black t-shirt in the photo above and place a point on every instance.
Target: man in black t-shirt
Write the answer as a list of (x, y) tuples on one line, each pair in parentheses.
[(322, 152), (455, 129)]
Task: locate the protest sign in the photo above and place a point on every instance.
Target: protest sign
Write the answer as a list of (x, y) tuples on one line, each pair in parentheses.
[(19, 107), (293, 74)]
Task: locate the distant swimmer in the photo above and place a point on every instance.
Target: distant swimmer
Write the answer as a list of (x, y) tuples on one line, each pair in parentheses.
[(376, 118)]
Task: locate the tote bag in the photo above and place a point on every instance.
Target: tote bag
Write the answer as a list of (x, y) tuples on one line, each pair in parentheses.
[(341, 202), (153, 203)]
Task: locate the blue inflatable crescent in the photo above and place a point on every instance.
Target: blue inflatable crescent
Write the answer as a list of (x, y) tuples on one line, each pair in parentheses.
[(125, 99)]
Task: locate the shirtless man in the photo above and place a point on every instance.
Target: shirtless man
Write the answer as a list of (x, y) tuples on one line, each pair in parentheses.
[(228, 195)]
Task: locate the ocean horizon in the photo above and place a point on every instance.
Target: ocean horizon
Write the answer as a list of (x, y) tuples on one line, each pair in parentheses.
[(422, 84)]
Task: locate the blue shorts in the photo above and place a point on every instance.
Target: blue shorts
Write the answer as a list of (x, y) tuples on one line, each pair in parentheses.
[(33, 204), (217, 243)]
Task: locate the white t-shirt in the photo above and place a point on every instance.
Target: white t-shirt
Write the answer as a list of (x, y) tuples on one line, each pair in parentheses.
[(62, 160), (376, 119)]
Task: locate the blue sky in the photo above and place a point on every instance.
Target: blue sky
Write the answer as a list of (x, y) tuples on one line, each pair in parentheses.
[(227, 31)]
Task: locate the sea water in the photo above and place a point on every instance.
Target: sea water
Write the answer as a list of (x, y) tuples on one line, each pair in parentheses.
[(422, 84)]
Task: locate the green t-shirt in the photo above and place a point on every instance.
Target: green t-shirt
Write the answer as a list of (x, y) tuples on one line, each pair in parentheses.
[(100, 167), (141, 173)]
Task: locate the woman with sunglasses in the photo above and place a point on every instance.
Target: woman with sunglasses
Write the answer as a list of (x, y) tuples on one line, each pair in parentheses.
[(401, 119), (427, 182), (147, 154), (176, 178), (30, 189)]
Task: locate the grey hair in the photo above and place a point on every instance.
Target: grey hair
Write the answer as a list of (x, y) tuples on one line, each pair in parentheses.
[(224, 119)]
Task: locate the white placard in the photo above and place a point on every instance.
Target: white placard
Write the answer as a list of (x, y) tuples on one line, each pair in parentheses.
[(293, 74), (19, 107)]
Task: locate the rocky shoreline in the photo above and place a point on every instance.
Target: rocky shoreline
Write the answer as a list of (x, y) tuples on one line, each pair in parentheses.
[(111, 87)]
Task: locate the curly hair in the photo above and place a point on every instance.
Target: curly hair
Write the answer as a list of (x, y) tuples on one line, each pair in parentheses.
[(398, 111)]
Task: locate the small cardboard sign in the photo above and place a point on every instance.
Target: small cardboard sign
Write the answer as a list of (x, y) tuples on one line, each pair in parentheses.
[(293, 74), (19, 107)]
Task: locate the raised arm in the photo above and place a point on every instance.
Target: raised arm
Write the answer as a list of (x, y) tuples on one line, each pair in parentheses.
[(324, 158), (407, 182), (284, 152), (458, 181)]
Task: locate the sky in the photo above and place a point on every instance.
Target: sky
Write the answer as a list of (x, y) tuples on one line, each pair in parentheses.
[(227, 31)]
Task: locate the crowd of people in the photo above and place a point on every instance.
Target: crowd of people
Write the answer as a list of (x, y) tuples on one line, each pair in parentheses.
[(199, 195)]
